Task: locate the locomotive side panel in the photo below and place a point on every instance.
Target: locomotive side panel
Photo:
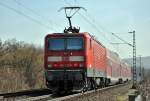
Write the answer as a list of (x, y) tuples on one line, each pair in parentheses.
[(88, 52), (96, 58)]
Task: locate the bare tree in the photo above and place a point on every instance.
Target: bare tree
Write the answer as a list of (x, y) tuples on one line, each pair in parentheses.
[(21, 65)]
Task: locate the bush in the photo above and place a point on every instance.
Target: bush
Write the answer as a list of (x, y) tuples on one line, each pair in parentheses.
[(21, 66)]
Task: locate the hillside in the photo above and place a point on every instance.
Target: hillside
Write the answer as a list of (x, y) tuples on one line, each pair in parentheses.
[(145, 61), (145, 64)]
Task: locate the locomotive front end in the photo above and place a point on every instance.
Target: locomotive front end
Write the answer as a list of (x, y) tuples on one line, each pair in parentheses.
[(64, 61)]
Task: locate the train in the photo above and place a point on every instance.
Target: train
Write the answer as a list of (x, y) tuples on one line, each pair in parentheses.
[(79, 62)]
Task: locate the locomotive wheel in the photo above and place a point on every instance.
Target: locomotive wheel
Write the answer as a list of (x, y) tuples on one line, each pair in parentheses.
[(80, 86), (84, 86), (87, 85), (101, 83), (107, 82), (91, 84), (94, 85)]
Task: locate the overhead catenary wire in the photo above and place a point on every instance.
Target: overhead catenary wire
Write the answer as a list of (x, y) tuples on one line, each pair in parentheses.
[(94, 24), (37, 14), (97, 29), (104, 32), (26, 16), (88, 20), (85, 18), (91, 18)]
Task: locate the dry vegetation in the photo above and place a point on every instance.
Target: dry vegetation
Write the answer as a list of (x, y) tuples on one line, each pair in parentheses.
[(144, 86), (21, 66)]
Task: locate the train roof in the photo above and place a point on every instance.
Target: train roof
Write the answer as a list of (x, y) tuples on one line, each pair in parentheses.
[(60, 34), (76, 34)]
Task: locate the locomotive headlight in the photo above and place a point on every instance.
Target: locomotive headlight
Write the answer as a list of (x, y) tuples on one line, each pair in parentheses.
[(49, 66), (76, 58)]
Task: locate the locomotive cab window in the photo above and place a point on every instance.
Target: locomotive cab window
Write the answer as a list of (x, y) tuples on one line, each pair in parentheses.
[(74, 43), (56, 44), (65, 43)]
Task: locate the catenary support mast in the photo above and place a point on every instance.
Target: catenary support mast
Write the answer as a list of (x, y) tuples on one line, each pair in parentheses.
[(134, 73), (134, 62)]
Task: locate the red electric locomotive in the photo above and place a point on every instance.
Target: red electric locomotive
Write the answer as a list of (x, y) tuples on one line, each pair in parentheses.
[(77, 61)]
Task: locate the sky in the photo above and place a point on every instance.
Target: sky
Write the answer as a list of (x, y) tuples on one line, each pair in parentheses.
[(32, 20)]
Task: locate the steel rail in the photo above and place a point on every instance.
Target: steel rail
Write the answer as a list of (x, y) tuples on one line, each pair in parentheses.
[(85, 94), (26, 92), (50, 97)]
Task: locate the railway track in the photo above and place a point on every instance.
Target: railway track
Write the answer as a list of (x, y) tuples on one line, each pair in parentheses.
[(25, 94), (46, 95), (87, 96)]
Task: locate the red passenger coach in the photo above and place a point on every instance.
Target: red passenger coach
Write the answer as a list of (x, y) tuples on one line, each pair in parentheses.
[(77, 61)]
